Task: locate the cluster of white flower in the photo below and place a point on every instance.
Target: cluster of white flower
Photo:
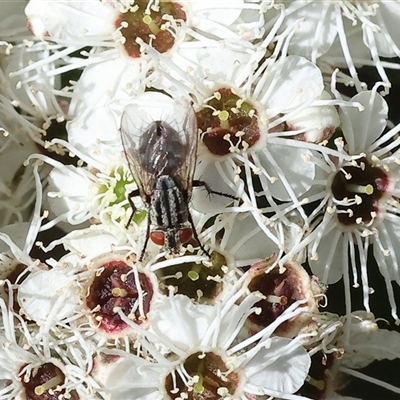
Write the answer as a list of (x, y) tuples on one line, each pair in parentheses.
[(200, 172)]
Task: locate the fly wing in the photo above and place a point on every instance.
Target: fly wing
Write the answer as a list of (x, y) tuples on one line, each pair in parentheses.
[(133, 136), (188, 138), (163, 146)]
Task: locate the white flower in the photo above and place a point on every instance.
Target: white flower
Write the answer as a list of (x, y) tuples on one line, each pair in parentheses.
[(28, 112), (207, 358), (116, 30), (31, 96), (30, 367), (246, 107), (91, 22), (86, 287), (358, 191)]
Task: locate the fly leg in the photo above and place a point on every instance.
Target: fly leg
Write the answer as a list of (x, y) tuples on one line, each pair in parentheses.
[(134, 193), (197, 183), (206, 186), (146, 240), (197, 237)]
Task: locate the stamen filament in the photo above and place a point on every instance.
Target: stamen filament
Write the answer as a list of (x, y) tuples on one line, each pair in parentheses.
[(282, 300)]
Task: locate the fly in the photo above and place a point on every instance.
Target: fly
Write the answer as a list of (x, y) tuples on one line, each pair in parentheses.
[(162, 161)]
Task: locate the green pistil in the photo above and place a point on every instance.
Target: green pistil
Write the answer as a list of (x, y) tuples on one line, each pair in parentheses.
[(193, 275), (200, 369), (360, 189), (151, 24), (53, 382), (224, 119), (198, 388), (246, 107)]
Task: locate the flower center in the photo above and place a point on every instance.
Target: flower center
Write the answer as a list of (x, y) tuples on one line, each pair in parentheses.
[(228, 123), (111, 197), (44, 383), (278, 291), (155, 25), (200, 282), (114, 289), (210, 379), (358, 190)]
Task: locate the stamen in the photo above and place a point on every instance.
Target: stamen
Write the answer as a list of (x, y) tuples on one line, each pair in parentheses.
[(282, 300)]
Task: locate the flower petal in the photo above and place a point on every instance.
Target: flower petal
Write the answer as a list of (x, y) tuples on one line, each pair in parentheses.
[(295, 82), (370, 346), (286, 374), (288, 164), (179, 320), (66, 19), (247, 238), (328, 267), (366, 126), (68, 191), (313, 17), (46, 295)]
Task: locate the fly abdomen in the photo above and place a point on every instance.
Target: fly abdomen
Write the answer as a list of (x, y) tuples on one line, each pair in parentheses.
[(168, 206), (169, 215)]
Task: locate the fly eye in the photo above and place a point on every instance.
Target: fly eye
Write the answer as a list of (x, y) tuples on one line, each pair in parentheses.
[(185, 234), (158, 237)]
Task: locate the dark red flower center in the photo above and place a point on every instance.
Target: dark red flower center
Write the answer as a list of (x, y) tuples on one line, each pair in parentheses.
[(279, 290), (228, 123), (358, 190), (44, 383), (116, 288), (151, 24)]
